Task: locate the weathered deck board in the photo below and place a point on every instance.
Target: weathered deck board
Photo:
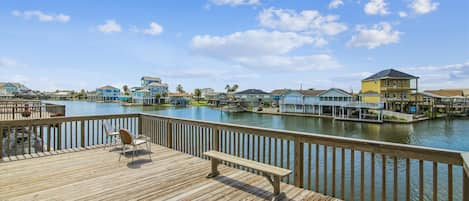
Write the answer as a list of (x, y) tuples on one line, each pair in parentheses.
[(98, 175)]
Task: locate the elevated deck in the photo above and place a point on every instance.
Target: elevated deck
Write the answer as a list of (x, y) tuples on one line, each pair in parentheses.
[(96, 174)]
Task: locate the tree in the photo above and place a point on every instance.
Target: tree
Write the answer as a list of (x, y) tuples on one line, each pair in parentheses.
[(231, 89), (82, 94), (197, 93), (125, 88), (179, 89)]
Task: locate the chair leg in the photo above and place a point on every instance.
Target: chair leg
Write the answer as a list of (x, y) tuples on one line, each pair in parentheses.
[(123, 152), (133, 153), (149, 150)]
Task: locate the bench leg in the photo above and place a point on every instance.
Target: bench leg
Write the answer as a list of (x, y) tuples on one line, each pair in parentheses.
[(214, 172), (275, 183)]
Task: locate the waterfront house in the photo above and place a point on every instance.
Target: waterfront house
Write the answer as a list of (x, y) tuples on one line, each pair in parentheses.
[(61, 95), (253, 97), (391, 87), (207, 93), (13, 88), (179, 99), (151, 91), (443, 100), (334, 102), (107, 93), (277, 95)]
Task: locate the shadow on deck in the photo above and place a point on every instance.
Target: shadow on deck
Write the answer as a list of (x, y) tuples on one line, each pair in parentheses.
[(97, 174)]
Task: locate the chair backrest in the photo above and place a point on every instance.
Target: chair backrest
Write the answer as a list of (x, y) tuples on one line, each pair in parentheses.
[(107, 127), (126, 137)]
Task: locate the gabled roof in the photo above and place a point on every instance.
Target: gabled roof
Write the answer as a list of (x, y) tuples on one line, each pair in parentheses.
[(107, 87), (390, 73), (310, 92), (251, 91), (279, 91), (336, 89), (446, 92)]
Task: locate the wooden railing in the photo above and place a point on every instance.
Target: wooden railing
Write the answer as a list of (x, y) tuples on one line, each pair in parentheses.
[(31, 138), (350, 169), (29, 109)]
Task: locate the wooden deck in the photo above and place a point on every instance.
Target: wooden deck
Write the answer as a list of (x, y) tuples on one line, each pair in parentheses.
[(97, 174)]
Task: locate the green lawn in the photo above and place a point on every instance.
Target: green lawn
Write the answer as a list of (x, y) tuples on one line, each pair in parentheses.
[(199, 103)]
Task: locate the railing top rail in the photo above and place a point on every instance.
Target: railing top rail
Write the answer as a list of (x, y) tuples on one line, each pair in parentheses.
[(63, 119), (465, 158), (387, 148)]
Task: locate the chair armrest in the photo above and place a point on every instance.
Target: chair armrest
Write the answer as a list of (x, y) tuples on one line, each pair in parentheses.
[(142, 137)]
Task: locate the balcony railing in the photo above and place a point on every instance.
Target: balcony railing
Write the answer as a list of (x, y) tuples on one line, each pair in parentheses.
[(346, 168), (29, 109)]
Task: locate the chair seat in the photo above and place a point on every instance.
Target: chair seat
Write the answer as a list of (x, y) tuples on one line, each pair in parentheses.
[(139, 142)]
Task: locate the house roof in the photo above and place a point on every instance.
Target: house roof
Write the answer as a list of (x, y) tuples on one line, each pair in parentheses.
[(338, 90), (107, 87), (446, 92), (251, 91), (390, 73), (280, 91), (310, 92), (151, 78)]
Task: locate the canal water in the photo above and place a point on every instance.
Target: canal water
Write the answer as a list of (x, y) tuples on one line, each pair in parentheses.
[(442, 133)]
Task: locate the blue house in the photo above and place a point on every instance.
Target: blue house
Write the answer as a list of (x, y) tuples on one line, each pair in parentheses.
[(148, 93), (108, 93)]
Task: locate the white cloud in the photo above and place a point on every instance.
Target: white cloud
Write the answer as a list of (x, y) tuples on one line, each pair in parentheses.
[(402, 14), (249, 43), (109, 27), (263, 49), (375, 36), (304, 21), (154, 29), (41, 16), (235, 2), (6, 62), (423, 6), (291, 63), (336, 3), (441, 76), (376, 7)]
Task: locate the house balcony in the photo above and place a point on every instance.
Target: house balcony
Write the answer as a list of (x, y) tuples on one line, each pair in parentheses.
[(396, 88), (63, 158)]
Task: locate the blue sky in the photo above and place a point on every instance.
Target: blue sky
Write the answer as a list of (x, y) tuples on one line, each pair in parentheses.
[(265, 44)]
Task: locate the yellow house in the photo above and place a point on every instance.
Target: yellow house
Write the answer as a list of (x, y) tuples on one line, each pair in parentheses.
[(391, 87)]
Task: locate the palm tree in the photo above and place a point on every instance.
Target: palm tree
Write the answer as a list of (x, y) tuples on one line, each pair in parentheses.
[(125, 88), (179, 89), (197, 93)]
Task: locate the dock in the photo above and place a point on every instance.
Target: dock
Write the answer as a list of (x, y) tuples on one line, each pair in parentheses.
[(96, 174)]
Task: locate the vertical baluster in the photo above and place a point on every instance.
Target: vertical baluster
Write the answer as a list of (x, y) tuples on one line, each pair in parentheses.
[(421, 198), (269, 150), (352, 174), (317, 168), (333, 169), (342, 174), (258, 148), (362, 175), (383, 179), (407, 180), (263, 149), (281, 153), (48, 138), (275, 152), (76, 134), (395, 179), (243, 150), (309, 167), (435, 181), (372, 176), (450, 182), (29, 138), (325, 169), (9, 140), (22, 139), (288, 159)]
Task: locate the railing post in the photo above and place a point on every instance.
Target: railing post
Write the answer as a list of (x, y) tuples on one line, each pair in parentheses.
[(140, 124), (169, 136), (215, 139), (298, 165), (465, 183), (82, 131)]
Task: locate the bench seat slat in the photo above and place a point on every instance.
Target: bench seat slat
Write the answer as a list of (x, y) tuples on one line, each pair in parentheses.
[(272, 170)]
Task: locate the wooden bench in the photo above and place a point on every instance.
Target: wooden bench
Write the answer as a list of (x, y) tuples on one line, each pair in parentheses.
[(268, 171)]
